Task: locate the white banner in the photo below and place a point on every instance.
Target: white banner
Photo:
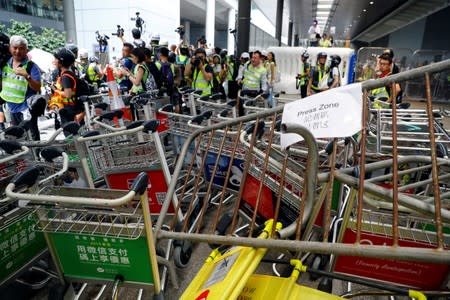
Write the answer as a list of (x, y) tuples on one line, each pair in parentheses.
[(333, 113)]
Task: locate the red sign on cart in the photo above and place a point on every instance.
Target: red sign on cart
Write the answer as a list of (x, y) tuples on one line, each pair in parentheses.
[(427, 276)]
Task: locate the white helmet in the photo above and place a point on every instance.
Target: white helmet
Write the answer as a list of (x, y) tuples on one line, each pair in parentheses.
[(83, 53), (155, 37)]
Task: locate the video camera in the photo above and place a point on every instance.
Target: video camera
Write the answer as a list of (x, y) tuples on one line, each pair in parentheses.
[(120, 32), (180, 31), (139, 21), (102, 41)]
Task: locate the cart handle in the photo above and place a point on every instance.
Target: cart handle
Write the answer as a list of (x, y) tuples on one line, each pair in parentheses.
[(151, 126), (70, 127), (138, 188), (251, 127), (15, 131), (9, 146), (12, 146)]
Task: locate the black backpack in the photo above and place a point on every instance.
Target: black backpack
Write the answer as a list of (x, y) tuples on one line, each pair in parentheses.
[(82, 87), (167, 80)]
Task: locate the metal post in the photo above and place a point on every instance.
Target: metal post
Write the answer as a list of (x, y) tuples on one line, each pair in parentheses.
[(243, 34), (279, 21), (69, 21), (231, 26), (291, 25), (296, 40), (187, 32), (210, 22)]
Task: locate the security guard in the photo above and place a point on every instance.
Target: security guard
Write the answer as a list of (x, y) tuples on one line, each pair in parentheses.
[(94, 73), (200, 72), (317, 74), (303, 75), (253, 78)]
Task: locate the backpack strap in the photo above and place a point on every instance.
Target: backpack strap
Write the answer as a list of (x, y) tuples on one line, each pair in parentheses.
[(146, 70)]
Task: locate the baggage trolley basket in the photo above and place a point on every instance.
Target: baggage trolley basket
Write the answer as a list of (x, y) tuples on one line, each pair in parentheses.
[(412, 132), (20, 244), (437, 254), (100, 236)]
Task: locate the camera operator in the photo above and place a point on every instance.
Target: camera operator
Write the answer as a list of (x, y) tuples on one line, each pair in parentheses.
[(138, 42), (199, 72), (102, 41)]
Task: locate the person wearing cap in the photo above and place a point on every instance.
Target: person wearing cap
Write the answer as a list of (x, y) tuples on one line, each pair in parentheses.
[(318, 75), (199, 72), (66, 84), (20, 79), (84, 62), (243, 60), (94, 73), (303, 75)]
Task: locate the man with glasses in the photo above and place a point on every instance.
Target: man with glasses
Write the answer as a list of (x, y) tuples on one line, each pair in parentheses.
[(384, 93)]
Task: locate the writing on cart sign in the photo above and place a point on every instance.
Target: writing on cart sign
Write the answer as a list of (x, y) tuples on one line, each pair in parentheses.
[(334, 113)]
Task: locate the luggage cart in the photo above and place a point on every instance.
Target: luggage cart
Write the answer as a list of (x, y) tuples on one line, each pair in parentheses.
[(121, 155), (412, 132), (21, 245), (431, 208), (96, 235), (146, 107)]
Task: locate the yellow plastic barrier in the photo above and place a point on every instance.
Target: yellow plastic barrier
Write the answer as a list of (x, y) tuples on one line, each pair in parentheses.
[(223, 276)]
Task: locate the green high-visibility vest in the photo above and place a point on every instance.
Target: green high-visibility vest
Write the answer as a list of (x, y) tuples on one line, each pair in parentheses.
[(200, 83), (91, 74), (14, 87), (319, 72), (230, 71), (137, 89), (252, 77)]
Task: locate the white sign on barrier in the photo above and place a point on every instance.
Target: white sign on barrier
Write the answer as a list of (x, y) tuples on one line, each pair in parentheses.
[(333, 113)]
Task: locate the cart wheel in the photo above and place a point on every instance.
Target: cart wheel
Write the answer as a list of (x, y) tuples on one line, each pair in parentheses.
[(316, 264), (325, 285), (160, 296), (57, 292), (182, 254)]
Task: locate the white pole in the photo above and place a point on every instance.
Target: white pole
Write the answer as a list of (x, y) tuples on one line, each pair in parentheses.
[(210, 22), (231, 25)]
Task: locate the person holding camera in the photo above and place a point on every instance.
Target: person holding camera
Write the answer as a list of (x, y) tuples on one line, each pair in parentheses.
[(253, 78), (200, 72)]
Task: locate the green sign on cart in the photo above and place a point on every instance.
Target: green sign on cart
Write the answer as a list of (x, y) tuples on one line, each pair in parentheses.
[(85, 256), (19, 244)]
